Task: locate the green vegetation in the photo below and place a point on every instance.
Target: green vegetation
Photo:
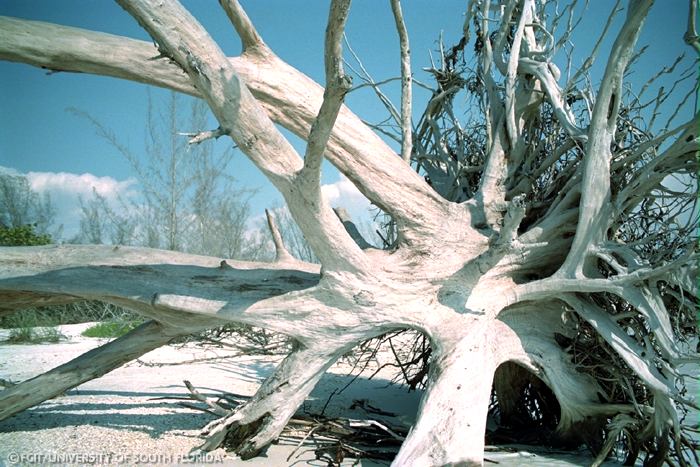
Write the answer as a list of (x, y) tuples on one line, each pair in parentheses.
[(72, 313), (30, 335), (31, 327), (24, 235), (36, 325), (110, 329)]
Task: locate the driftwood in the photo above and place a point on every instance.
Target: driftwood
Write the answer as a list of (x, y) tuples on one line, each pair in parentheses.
[(551, 220)]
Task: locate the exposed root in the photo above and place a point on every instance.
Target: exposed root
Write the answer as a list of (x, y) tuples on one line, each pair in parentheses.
[(335, 438), (240, 437)]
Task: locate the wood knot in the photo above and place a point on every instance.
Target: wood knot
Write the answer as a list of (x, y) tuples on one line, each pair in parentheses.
[(364, 298)]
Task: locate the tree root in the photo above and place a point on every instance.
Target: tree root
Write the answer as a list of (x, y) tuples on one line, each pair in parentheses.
[(335, 437), (240, 437), (251, 427)]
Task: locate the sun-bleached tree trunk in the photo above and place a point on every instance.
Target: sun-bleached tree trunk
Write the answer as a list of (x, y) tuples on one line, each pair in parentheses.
[(531, 254)]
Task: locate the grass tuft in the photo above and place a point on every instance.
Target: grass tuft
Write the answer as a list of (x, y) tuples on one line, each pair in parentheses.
[(30, 335), (110, 329)]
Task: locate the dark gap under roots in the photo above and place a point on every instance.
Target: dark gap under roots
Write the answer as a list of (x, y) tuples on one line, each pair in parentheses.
[(523, 409)]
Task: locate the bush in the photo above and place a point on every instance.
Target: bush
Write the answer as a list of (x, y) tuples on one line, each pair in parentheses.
[(111, 329), (72, 313), (31, 328), (31, 318), (30, 335), (22, 236)]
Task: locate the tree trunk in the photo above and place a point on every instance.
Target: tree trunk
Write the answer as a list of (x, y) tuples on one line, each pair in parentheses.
[(86, 367), (451, 421)]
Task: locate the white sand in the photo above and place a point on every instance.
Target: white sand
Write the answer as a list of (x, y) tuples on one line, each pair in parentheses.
[(115, 419)]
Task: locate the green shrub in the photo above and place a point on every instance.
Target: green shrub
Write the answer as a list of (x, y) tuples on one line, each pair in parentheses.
[(31, 335), (110, 329), (31, 327), (72, 313), (30, 318), (22, 236)]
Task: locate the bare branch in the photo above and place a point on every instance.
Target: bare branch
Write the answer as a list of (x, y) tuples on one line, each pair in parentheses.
[(281, 252), (369, 81), (200, 137), (86, 367), (215, 408), (571, 84), (406, 89), (511, 72), (289, 98), (595, 189), (691, 35), (337, 85), (188, 43), (627, 348), (351, 228), (244, 27)]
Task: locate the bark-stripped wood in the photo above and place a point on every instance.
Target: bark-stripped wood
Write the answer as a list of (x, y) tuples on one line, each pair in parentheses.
[(512, 252)]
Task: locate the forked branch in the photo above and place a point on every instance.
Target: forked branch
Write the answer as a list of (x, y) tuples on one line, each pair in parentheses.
[(289, 98), (189, 44), (594, 214)]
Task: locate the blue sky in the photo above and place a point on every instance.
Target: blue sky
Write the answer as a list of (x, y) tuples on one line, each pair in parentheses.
[(38, 135)]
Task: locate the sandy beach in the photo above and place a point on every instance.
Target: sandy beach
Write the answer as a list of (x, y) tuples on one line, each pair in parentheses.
[(132, 416)]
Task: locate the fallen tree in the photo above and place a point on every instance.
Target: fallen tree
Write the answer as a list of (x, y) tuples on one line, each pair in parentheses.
[(543, 247)]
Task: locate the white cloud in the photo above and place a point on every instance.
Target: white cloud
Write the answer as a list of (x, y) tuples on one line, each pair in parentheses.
[(345, 195), (341, 194), (8, 171), (65, 190), (78, 185)]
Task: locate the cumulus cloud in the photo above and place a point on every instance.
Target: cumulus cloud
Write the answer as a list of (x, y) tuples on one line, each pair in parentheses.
[(341, 194), (344, 194), (66, 189), (78, 185), (8, 171)]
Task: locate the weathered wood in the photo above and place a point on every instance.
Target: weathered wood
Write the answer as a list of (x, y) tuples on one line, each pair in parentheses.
[(478, 278), (86, 367)]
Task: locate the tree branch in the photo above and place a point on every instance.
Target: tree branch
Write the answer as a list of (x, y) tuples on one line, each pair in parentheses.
[(594, 212), (281, 253), (351, 228), (511, 72), (337, 85), (180, 290), (624, 345), (244, 27), (188, 43), (86, 367), (406, 88), (190, 292), (200, 137), (289, 98), (691, 35), (679, 156)]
